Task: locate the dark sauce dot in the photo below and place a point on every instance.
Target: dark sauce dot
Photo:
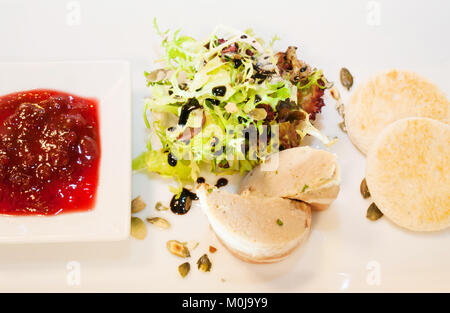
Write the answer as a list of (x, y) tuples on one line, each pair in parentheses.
[(193, 195), (224, 164), (201, 180), (257, 99), (244, 37), (172, 160), (214, 101), (221, 182), (242, 119), (215, 141), (186, 110), (237, 63), (219, 91), (182, 204)]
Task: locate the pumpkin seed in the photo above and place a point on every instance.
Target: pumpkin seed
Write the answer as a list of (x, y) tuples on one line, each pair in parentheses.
[(373, 212), (346, 78), (184, 269), (204, 264), (177, 248), (342, 126), (340, 108), (159, 221), (364, 189), (138, 228), (158, 75), (160, 207), (137, 205), (335, 93), (258, 114)]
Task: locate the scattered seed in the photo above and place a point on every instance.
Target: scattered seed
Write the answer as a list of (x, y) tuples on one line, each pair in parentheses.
[(346, 78), (343, 127), (138, 228), (137, 205), (204, 264), (177, 248), (158, 75), (258, 114), (184, 269), (160, 207), (159, 221), (364, 189), (340, 108), (335, 93), (212, 249), (279, 222), (373, 212), (222, 280)]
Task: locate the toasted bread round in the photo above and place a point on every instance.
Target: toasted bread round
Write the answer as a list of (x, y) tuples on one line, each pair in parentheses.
[(303, 173), (388, 97), (408, 173), (256, 229)]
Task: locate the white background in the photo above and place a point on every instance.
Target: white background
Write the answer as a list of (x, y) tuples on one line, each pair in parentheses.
[(330, 34)]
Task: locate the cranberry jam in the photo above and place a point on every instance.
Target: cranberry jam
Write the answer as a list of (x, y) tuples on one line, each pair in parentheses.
[(49, 153)]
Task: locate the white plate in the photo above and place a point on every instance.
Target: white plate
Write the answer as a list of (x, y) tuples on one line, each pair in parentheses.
[(109, 83), (345, 252)]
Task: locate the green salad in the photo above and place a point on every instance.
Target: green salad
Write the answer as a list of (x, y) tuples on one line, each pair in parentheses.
[(207, 93)]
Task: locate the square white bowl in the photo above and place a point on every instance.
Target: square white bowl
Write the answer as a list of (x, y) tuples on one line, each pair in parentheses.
[(109, 82)]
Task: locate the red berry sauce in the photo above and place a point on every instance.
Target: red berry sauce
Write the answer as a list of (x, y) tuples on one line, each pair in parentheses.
[(49, 153)]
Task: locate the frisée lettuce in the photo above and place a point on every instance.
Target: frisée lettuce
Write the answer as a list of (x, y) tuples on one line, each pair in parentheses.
[(209, 99)]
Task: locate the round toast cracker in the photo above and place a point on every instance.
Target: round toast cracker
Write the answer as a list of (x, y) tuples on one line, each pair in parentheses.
[(408, 173), (388, 97)]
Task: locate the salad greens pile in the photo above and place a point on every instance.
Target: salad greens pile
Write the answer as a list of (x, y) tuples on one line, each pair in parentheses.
[(208, 91)]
